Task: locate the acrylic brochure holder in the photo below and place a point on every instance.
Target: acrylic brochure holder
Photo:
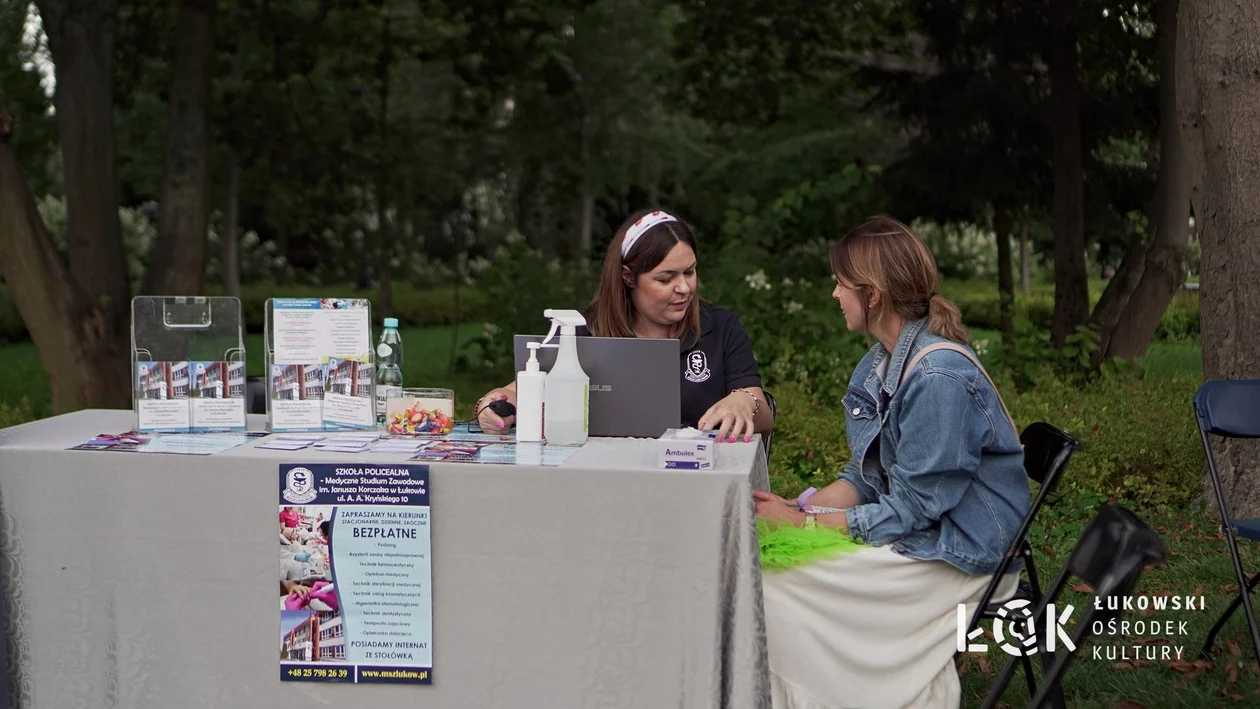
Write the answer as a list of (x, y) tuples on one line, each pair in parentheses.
[(319, 365), (187, 364)]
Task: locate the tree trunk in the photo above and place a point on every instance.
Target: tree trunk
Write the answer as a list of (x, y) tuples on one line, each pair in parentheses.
[(229, 241), (546, 219), (81, 40), (82, 344), (1218, 95), (588, 201), (1006, 279), (1071, 285), (85, 352), (384, 257), (1166, 257), (1025, 275), (1115, 297), (177, 264)]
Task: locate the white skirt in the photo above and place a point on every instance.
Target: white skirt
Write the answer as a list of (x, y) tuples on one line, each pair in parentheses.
[(868, 630)]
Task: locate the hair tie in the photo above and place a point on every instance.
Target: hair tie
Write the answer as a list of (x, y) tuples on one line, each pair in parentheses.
[(931, 295), (640, 227)]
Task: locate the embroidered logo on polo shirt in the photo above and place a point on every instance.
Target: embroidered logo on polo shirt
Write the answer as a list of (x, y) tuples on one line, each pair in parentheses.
[(697, 367)]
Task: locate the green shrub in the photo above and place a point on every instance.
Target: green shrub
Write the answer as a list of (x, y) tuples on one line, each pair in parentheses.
[(520, 284), (1181, 320), (810, 446), (12, 415), (797, 331), (1139, 438), (981, 307), (412, 306), (1138, 435)]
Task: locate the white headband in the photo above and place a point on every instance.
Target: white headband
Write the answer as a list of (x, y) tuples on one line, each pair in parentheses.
[(640, 228)]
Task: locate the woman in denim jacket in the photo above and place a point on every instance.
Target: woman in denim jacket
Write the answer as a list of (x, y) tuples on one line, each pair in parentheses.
[(936, 486)]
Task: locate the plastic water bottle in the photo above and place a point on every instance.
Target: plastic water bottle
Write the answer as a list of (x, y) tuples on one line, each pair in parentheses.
[(389, 355)]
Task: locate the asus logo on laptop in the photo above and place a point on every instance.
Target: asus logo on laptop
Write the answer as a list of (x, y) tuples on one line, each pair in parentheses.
[(601, 387)]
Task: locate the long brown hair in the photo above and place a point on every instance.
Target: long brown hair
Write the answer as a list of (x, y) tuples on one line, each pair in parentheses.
[(883, 253), (612, 310)]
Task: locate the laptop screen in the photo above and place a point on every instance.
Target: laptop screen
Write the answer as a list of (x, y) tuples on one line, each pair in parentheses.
[(635, 384)]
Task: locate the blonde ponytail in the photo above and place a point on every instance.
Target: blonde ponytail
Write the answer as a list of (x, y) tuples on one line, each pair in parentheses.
[(945, 319)]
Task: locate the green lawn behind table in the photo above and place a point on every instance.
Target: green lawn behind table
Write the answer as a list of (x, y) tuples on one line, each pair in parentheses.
[(426, 353)]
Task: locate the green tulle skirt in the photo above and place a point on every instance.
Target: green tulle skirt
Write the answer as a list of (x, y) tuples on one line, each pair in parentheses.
[(785, 547)]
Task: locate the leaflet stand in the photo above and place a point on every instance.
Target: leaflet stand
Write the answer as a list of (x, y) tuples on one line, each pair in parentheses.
[(320, 365), (187, 364)]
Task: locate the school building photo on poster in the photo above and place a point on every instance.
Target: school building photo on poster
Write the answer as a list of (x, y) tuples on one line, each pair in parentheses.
[(297, 382), (161, 381), (349, 378), (218, 380)]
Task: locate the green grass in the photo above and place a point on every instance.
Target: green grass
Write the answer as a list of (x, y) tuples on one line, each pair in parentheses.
[(24, 381), (427, 355), (1198, 565)]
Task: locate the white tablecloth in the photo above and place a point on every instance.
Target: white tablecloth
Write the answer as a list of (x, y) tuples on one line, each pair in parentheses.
[(149, 580)]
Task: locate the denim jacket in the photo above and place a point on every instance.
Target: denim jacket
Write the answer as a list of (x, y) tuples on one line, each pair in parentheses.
[(947, 480)]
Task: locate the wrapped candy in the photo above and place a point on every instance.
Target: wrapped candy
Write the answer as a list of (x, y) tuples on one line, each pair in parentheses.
[(419, 421)]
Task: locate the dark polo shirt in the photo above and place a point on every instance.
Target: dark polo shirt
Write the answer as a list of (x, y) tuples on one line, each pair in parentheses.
[(721, 362)]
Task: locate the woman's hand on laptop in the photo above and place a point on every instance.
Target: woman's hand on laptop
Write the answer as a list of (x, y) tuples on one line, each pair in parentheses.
[(490, 421), (732, 416)]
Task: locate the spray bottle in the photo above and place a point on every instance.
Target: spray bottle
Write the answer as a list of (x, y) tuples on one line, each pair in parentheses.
[(567, 392), (530, 389)]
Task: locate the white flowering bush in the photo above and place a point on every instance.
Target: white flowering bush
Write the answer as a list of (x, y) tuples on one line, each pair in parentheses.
[(963, 251), (757, 281), (256, 260), (138, 233), (797, 330)]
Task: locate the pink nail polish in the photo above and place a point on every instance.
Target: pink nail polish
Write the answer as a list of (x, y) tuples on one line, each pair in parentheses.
[(747, 439)]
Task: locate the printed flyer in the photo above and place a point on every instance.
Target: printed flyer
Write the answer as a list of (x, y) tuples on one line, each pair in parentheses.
[(218, 396), (162, 397), (176, 443), (356, 601), (321, 364)]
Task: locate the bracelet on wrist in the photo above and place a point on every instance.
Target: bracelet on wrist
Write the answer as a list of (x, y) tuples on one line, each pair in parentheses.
[(756, 401)]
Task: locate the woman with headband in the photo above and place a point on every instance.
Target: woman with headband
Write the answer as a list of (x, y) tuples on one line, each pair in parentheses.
[(648, 288)]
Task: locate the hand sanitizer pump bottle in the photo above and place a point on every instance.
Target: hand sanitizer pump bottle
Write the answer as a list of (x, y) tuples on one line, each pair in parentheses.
[(530, 387), (567, 392)]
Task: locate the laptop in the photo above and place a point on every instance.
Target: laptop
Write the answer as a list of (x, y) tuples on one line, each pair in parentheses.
[(635, 387)]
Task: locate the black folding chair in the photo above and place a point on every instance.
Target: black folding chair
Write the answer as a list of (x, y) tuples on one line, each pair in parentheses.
[(1046, 454), (1110, 557), (1231, 409)]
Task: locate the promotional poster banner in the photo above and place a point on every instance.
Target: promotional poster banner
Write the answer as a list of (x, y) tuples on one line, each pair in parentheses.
[(356, 602)]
